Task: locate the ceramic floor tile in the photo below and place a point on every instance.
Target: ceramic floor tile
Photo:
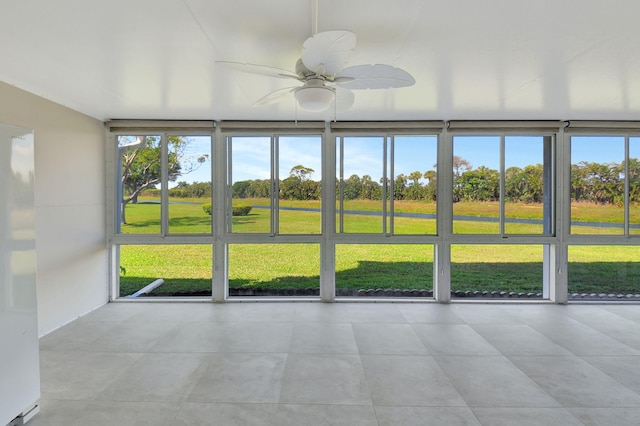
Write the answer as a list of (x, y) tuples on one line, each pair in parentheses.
[(130, 336), (360, 364), (607, 416), (408, 380), (325, 415), (430, 313), (453, 339), (615, 326), (264, 312), (168, 312), (388, 339), (323, 338), (493, 381), (581, 339), (630, 311), (241, 377), (322, 312), (227, 337), (112, 312), (575, 383), (625, 369), (205, 414), (158, 377), (519, 339), (425, 416), (77, 336), (324, 379), (497, 416), (104, 413), (375, 313), (80, 375), (484, 313)]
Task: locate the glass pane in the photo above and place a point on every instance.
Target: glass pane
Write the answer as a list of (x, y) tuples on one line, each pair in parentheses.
[(169, 270), (493, 271), (476, 184), (190, 184), (251, 184), (414, 184), (634, 185), (597, 185), (300, 172), (139, 185), (524, 184), (384, 270), (604, 272), (274, 270), (361, 185)]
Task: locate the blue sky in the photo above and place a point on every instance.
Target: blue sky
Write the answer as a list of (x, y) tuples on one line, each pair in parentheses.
[(363, 155)]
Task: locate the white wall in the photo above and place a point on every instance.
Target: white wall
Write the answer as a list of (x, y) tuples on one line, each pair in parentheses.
[(70, 205)]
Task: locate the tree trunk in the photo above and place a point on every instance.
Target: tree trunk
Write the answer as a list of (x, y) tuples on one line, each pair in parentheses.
[(123, 205)]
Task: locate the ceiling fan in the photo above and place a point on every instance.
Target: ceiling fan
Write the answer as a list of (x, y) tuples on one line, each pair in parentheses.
[(322, 69)]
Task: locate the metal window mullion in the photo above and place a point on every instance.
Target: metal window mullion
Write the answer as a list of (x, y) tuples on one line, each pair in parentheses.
[(164, 184), (275, 186), (392, 176), (341, 182), (328, 207), (502, 184), (220, 194), (627, 186), (384, 186), (228, 185)]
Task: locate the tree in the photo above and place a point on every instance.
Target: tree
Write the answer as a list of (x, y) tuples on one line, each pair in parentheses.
[(299, 186), (141, 165), (352, 187), (460, 166), (482, 184), (431, 188), (414, 191), (301, 172)]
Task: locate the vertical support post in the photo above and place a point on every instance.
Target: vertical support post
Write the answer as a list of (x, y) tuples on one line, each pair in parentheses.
[(444, 214), (548, 251), (558, 288), (501, 190), (327, 244), (220, 217), (164, 184)]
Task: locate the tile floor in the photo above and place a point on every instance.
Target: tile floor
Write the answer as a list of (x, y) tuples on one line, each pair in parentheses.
[(346, 364)]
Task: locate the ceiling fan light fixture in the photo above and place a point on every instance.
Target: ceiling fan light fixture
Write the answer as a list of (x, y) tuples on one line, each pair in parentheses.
[(315, 98)]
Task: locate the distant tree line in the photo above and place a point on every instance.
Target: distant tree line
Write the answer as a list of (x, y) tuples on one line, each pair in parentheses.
[(600, 183)]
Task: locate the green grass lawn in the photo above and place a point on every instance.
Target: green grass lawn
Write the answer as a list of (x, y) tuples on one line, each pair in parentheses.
[(187, 268)]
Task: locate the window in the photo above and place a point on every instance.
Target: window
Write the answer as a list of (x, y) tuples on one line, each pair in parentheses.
[(275, 184), (387, 184), (409, 215), (597, 185), (503, 184), (163, 184), (604, 272), (497, 271), (384, 270)]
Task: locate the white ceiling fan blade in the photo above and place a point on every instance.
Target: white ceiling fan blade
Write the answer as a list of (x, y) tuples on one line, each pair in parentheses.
[(328, 52), (259, 69), (377, 76), (274, 96)]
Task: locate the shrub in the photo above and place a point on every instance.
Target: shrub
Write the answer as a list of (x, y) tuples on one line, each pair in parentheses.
[(241, 210), (237, 210)]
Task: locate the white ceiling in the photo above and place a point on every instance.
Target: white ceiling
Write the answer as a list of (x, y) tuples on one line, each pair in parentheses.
[(491, 59)]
